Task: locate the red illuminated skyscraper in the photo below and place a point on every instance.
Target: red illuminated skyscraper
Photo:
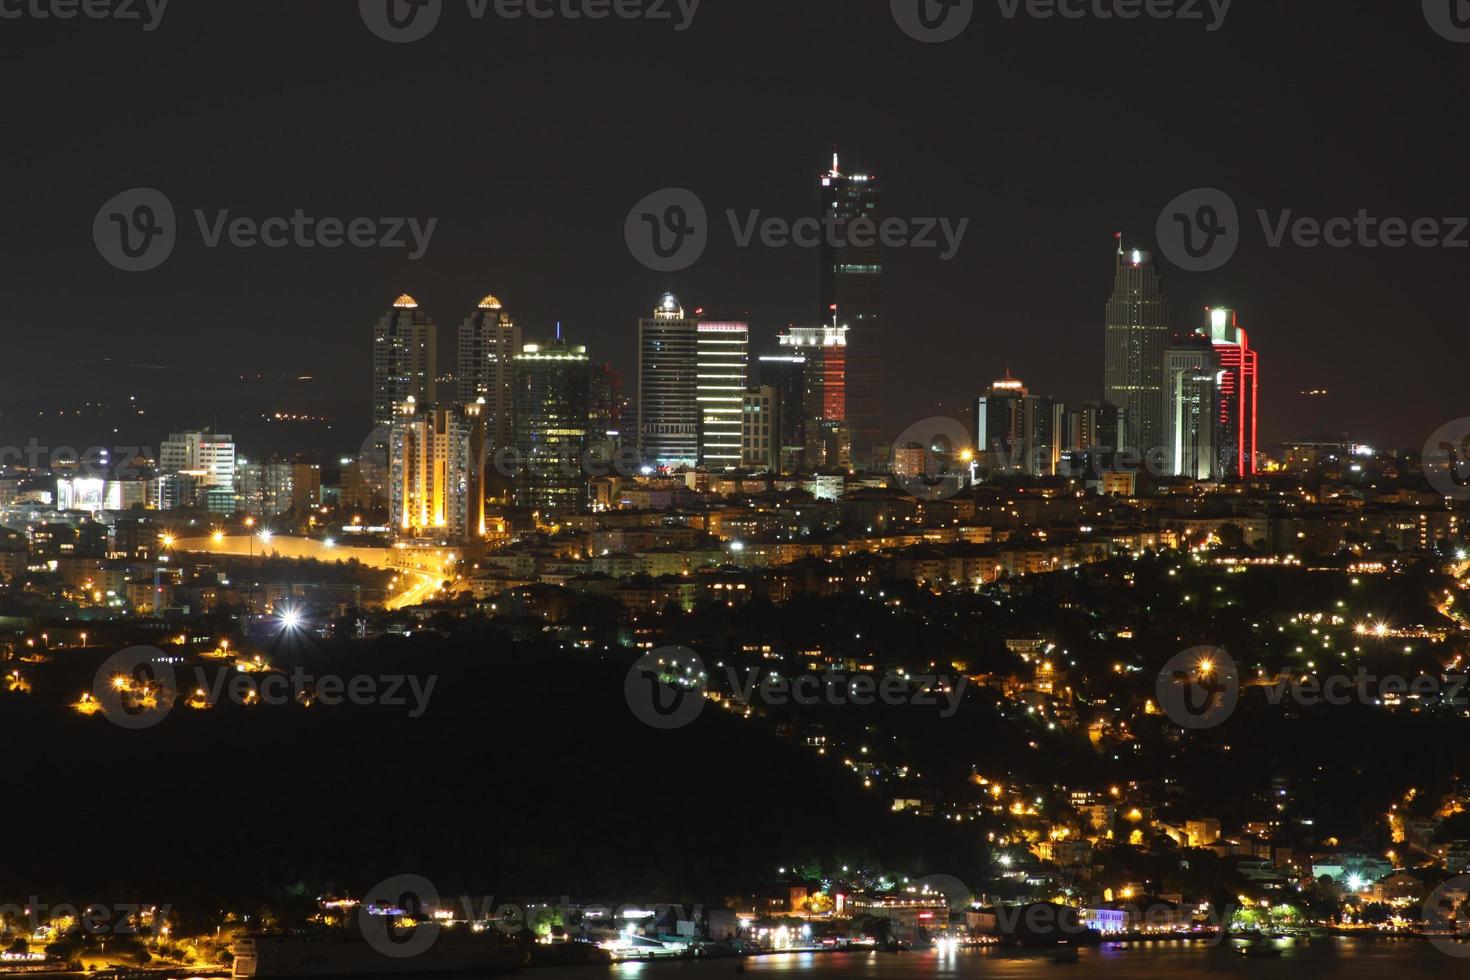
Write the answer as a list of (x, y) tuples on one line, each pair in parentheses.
[(1238, 386)]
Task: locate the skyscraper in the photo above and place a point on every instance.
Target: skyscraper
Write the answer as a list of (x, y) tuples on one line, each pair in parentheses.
[(668, 396), (1238, 384), (786, 373), (1000, 426), (722, 346), (1191, 409), (436, 471), (828, 438), (760, 429), (489, 340), (1137, 333), (405, 359), (552, 385), (852, 294)]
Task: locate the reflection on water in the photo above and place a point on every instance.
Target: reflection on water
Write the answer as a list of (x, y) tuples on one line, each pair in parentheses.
[(1401, 959)]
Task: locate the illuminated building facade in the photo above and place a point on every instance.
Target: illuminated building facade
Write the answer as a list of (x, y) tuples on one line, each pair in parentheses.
[(405, 359), (489, 340), (436, 471), (760, 429), (1000, 426), (1238, 391), (1137, 322), (207, 456), (1191, 408), (552, 386), (723, 350), (852, 294), (825, 349), (786, 374), (668, 396)]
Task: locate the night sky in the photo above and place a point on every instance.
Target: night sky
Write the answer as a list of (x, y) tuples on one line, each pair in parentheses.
[(531, 140)]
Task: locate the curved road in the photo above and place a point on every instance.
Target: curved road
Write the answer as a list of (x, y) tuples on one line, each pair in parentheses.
[(415, 565)]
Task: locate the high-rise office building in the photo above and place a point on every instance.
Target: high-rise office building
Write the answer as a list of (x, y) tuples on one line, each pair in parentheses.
[(209, 457), (552, 387), (489, 340), (1094, 427), (668, 395), (1045, 427), (723, 346), (1137, 333), (760, 429), (1000, 426), (605, 408), (436, 471), (852, 294), (825, 349), (405, 359), (786, 374), (1238, 388), (1191, 408)]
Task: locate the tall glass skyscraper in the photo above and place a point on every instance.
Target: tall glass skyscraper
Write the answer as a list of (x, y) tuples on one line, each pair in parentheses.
[(1238, 377), (723, 346), (1137, 334), (551, 414), (405, 359), (489, 340), (852, 294), (668, 395)]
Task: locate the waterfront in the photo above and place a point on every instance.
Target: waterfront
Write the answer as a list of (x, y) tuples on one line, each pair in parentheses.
[(1343, 958)]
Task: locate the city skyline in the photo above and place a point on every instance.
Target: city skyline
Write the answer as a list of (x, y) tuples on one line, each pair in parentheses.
[(1044, 218)]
